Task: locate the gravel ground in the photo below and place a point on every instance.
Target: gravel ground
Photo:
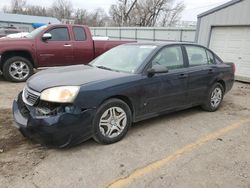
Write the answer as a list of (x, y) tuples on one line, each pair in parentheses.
[(222, 162)]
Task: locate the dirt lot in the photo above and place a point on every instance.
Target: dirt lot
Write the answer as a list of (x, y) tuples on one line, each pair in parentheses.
[(191, 148)]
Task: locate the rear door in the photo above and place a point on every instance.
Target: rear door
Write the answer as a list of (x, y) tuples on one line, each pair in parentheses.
[(168, 91), (83, 47), (56, 51), (201, 73)]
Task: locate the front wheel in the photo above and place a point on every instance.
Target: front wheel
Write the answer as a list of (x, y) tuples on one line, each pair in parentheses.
[(214, 98), (17, 69), (112, 121)]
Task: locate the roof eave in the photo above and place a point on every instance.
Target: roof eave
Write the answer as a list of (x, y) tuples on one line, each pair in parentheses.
[(230, 3)]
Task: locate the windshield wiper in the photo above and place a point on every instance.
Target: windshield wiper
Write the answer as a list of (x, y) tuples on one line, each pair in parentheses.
[(106, 68), (103, 67)]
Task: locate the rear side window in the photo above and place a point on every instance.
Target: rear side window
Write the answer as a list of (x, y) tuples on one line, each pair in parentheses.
[(196, 56), (59, 34), (218, 60), (170, 57), (210, 57), (79, 33)]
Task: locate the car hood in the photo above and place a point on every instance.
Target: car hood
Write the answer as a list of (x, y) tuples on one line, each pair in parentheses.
[(77, 75)]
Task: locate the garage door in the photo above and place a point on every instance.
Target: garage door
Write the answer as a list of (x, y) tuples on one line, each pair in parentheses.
[(232, 44)]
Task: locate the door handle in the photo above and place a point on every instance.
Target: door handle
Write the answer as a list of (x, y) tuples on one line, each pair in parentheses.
[(67, 45), (182, 76), (210, 71)]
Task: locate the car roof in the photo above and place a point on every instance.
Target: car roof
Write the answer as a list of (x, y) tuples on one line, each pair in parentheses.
[(161, 44)]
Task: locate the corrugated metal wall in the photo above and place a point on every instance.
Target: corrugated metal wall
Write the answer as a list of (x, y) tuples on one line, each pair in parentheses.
[(145, 33), (21, 26), (235, 15)]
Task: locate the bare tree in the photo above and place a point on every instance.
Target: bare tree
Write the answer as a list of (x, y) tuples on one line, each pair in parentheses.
[(16, 7), (36, 11), (171, 17), (121, 12), (98, 18), (62, 9), (95, 18), (81, 16), (146, 12)]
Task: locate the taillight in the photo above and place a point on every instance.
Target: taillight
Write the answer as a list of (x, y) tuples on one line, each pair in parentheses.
[(233, 67)]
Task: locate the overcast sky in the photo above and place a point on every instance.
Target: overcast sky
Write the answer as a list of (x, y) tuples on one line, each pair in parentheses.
[(193, 7)]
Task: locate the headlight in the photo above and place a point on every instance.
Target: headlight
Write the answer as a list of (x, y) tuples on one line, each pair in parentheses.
[(64, 94)]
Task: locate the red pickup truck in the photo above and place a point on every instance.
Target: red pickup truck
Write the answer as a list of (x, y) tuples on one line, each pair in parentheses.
[(50, 45)]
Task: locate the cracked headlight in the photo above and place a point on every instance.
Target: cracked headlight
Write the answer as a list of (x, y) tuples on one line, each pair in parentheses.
[(63, 94)]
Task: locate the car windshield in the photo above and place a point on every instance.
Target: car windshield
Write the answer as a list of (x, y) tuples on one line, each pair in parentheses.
[(125, 58), (35, 32)]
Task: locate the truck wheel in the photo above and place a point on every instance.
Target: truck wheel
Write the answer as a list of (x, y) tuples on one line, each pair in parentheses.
[(214, 99), (17, 69)]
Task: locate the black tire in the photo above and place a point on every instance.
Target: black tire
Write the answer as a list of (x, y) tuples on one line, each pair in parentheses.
[(98, 135), (208, 103), (6, 69)]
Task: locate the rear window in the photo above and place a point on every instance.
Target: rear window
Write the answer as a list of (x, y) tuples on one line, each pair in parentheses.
[(79, 33)]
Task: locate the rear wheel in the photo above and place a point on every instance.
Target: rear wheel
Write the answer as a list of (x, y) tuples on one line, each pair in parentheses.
[(214, 98), (17, 69), (112, 121)]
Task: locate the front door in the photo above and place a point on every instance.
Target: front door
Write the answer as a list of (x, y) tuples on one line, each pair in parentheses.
[(167, 91), (56, 51)]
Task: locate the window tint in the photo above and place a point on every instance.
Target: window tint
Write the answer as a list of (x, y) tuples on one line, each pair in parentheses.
[(171, 57), (59, 34), (210, 57), (79, 33), (196, 55)]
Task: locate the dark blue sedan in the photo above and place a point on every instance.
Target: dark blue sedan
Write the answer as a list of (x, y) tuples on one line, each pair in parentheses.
[(130, 83)]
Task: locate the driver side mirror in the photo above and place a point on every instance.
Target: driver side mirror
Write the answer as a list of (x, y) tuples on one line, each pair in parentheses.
[(160, 69), (46, 36)]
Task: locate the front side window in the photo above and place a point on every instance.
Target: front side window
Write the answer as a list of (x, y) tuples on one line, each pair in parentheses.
[(196, 56), (170, 57), (59, 34), (79, 33)]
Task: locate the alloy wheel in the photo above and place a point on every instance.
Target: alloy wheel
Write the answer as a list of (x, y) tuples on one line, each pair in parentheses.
[(216, 97), (112, 122), (19, 70)]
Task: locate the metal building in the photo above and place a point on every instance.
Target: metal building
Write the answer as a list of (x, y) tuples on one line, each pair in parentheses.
[(226, 30), (24, 22)]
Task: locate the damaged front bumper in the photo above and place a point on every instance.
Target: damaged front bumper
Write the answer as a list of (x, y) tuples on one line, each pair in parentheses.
[(58, 125)]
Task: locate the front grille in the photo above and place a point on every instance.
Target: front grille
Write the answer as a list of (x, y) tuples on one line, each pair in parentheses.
[(30, 97)]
